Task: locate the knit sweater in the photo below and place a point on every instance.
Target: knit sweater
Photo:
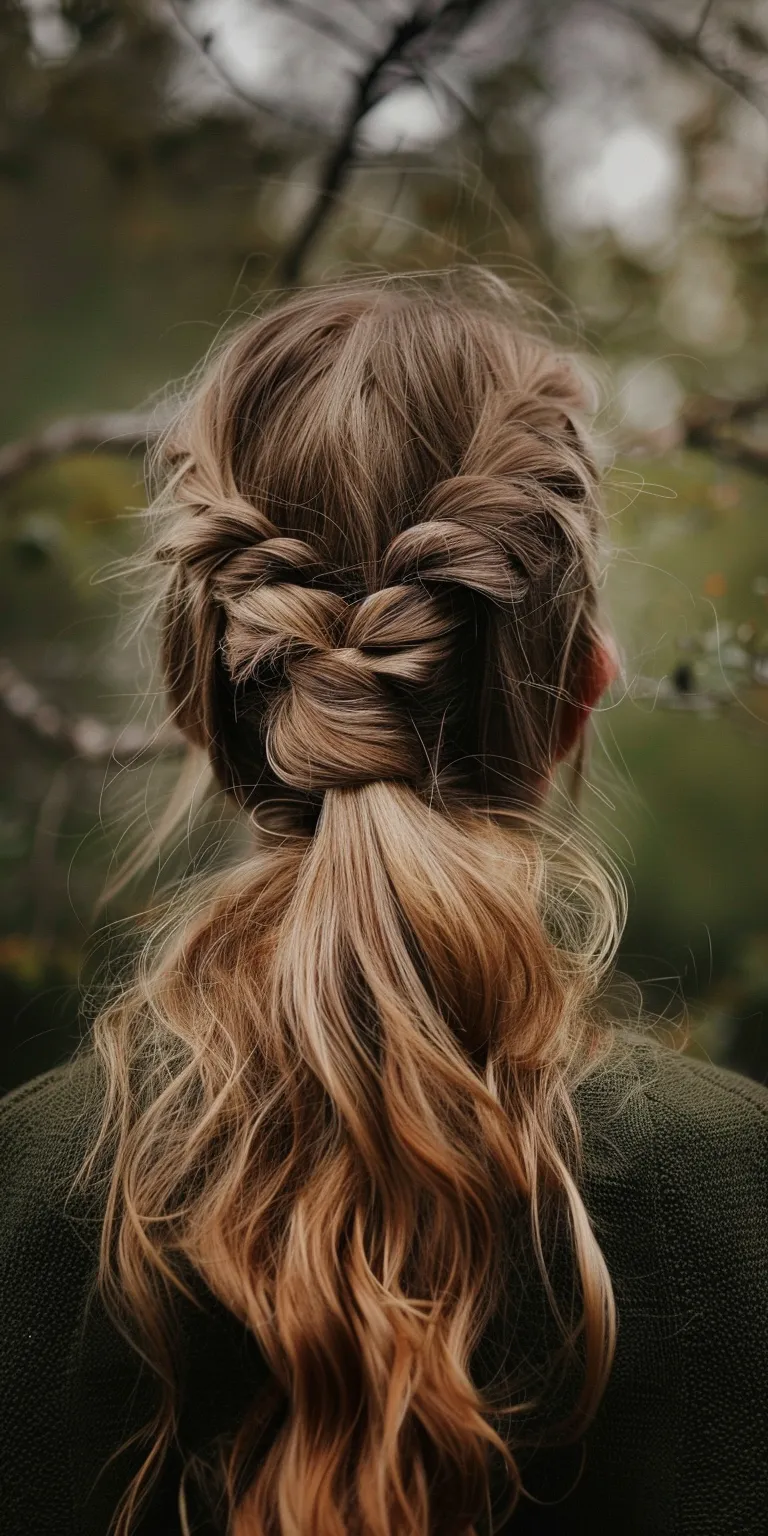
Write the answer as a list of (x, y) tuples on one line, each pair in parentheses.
[(675, 1180)]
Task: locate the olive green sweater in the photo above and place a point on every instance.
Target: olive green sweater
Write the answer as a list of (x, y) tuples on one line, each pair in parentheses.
[(676, 1183)]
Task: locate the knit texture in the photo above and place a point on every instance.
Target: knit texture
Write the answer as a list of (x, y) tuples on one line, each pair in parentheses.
[(676, 1183)]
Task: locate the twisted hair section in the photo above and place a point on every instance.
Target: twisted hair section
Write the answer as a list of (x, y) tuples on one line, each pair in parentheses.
[(340, 1087)]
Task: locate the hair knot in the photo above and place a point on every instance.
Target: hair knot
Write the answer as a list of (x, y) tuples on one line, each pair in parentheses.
[(270, 562), (475, 533), (333, 679), (335, 613)]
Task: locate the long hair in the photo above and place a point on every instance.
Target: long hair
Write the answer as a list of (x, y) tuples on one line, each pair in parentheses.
[(339, 1088)]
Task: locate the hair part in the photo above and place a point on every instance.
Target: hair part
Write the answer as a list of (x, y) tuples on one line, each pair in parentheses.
[(340, 1083)]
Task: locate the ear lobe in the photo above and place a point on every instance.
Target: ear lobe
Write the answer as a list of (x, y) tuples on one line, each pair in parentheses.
[(600, 671), (603, 670)]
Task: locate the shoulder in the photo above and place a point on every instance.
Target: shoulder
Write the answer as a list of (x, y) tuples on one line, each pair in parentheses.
[(647, 1100), (678, 1139), (675, 1181), (46, 1226), (48, 1257), (674, 1177), (45, 1127)]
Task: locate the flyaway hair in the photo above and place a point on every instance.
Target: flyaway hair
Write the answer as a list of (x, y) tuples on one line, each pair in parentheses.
[(339, 1086)]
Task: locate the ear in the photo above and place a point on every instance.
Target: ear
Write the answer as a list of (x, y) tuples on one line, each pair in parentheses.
[(601, 669)]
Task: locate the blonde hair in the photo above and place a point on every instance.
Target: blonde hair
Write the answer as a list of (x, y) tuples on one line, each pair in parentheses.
[(340, 1087)]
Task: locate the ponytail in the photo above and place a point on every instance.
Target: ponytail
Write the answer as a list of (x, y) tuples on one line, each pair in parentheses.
[(340, 1085)]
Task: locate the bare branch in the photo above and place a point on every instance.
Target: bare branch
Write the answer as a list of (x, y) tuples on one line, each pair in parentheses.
[(204, 42), (118, 431), (679, 45), (748, 408), (708, 422), (424, 25), (703, 19), (84, 737), (678, 692), (321, 23)]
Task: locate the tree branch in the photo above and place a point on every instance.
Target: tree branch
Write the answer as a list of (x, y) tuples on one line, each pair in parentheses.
[(688, 46), (203, 42), (119, 431), (83, 736), (703, 19), (706, 423), (423, 24), (676, 691), (320, 23)]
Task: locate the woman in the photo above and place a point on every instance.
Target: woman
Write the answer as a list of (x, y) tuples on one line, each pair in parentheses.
[(358, 1215)]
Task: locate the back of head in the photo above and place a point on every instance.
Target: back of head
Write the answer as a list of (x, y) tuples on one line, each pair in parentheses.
[(384, 550), (377, 530)]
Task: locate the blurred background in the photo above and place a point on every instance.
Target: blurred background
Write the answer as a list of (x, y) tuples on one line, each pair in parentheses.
[(162, 166)]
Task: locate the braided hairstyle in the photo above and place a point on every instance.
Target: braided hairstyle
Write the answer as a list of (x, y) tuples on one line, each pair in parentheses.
[(377, 534), (319, 635)]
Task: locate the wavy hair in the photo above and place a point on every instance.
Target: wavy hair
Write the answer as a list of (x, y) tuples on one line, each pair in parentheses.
[(340, 1083)]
